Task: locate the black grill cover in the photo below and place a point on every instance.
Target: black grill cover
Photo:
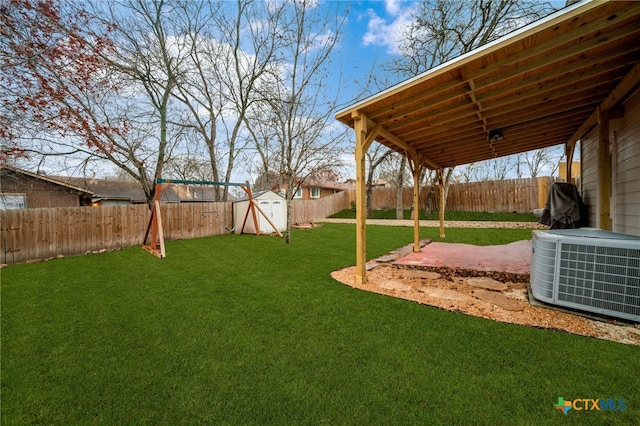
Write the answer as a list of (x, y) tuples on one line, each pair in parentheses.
[(564, 208)]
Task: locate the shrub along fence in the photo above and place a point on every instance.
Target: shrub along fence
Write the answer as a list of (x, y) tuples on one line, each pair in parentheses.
[(43, 233)]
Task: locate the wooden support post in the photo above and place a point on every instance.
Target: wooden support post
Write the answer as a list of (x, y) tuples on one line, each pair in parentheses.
[(252, 207), (160, 232), (360, 127), (442, 201), (366, 132), (604, 171), (244, 221), (569, 149), (416, 170)]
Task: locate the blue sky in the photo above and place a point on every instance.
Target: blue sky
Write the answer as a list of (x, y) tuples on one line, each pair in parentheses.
[(369, 39)]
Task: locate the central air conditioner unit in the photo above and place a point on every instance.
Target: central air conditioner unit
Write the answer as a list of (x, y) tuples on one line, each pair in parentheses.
[(587, 269)]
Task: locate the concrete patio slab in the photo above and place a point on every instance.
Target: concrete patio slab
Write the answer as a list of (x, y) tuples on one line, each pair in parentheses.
[(512, 258)]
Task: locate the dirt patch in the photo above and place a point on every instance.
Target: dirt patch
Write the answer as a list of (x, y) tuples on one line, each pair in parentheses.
[(306, 225), (498, 297)]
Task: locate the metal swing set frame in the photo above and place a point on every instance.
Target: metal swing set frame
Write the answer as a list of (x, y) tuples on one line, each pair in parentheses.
[(153, 241)]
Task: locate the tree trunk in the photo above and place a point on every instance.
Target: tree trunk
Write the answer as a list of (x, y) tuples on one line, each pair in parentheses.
[(400, 191), (290, 193), (427, 178), (369, 196), (369, 191), (287, 237), (447, 181)]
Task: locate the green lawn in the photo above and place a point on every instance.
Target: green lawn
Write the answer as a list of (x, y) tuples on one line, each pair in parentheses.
[(448, 215), (248, 330)]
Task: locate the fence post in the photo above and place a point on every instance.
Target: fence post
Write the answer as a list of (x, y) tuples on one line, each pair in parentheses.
[(543, 191)]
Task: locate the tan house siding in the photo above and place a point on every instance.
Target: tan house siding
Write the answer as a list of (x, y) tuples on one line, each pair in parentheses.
[(626, 168), (589, 181), (624, 135)]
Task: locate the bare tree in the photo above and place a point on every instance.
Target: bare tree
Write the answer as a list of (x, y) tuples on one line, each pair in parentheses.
[(444, 29), (299, 105), (98, 82), (198, 89), (189, 167), (149, 59), (395, 172), (376, 157), (267, 145), (494, 169), (536, 161), (52, 81), (428, 178), (466, 173), (231, 50)]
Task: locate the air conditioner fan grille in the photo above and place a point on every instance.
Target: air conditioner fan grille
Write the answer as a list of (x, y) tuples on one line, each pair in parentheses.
[(601, 277)]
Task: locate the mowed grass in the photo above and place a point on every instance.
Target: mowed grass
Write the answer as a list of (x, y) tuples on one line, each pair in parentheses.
[(248, 330)]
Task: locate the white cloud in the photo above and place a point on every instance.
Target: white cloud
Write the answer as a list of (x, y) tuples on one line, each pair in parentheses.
[(387, 31), (393, 7)]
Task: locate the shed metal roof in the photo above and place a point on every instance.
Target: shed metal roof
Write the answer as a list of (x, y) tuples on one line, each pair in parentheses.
[(538, 86)]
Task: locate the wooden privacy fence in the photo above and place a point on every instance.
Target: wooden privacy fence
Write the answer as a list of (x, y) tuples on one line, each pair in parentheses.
[(49, 232), (43, 233), (303, 211), (512, 195)]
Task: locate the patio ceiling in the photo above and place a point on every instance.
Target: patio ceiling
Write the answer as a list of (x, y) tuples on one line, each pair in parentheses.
[(538, 87)]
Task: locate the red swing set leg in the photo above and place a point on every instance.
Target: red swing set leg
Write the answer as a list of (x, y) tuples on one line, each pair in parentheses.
[(156, 244)]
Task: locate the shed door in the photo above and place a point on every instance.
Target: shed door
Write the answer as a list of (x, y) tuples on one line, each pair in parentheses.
[(278, 212), (274, 210)]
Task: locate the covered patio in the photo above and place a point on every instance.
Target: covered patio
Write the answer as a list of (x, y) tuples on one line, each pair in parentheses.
[(549, 83)]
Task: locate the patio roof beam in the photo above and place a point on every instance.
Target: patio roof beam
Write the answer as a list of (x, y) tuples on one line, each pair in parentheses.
[(416, 105), (480, 113), (591, 68), (583, 31)]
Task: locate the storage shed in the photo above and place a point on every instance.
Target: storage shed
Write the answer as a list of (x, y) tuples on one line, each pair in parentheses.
[(270, 204)]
